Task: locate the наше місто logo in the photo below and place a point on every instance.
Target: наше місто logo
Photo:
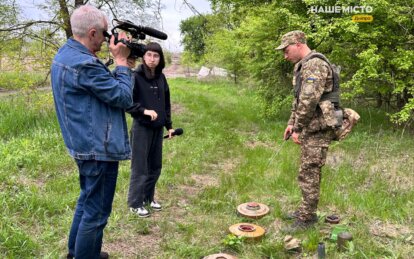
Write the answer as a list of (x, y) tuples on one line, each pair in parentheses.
[(361, 13), (362, 18)]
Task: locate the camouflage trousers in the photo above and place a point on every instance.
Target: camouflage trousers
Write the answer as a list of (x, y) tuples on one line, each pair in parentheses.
[(314, 148)]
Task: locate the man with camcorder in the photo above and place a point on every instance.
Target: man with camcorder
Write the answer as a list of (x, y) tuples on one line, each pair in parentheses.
[(90, 102)]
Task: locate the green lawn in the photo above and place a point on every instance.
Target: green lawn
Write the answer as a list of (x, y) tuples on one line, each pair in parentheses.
[(222, 160)]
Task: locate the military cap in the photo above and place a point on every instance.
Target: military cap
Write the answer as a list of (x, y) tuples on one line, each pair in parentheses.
[(292, 37)]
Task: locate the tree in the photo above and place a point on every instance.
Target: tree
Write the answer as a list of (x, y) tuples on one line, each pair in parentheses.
[(377, 58), (194, 31), (60, 15), (223, 46), (22, 38)]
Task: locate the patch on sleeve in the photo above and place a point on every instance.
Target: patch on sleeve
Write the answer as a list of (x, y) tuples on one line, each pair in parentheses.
[(310, 80)]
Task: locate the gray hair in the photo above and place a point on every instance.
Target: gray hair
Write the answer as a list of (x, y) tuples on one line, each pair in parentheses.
[(85, 18)]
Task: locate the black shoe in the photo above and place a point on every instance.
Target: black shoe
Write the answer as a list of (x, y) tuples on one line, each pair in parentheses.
[(299, 225), (102, 255)]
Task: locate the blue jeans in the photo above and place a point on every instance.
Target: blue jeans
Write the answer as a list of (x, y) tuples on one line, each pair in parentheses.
[(97, 182)]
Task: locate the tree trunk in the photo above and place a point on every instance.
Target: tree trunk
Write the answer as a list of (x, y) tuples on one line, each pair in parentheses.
[(406, 96), (64, 14), (403, 98), (387, 100), (400, 101), (379, 100)]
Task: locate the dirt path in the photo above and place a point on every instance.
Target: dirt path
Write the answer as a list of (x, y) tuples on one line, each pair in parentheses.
[(175, 69)]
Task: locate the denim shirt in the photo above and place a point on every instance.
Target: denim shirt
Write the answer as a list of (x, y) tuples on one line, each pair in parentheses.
[(90, 104)]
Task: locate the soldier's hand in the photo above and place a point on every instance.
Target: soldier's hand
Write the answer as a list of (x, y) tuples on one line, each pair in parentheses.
[(295, 137), (288, 132)]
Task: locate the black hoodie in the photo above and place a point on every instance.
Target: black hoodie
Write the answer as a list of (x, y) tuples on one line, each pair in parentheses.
[(151, 94)]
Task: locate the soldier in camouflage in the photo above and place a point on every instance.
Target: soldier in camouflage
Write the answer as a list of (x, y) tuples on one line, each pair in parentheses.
[(312, 121)]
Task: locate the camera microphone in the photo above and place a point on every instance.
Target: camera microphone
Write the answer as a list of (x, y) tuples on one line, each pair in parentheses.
[(153, 32), (137, 32), (177, 132), (131, 27)]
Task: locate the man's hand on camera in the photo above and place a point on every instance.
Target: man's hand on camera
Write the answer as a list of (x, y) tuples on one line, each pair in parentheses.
[(120, 51)]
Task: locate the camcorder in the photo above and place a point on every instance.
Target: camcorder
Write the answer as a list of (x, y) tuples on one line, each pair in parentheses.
[(137, 33)]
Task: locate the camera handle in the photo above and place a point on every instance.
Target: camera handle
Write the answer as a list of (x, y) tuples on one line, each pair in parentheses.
[(116, 41), (115, 34), (109, 62)]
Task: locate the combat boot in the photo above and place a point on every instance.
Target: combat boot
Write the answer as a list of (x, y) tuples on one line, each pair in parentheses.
[(295, 215), (299, 225), (291, 215)]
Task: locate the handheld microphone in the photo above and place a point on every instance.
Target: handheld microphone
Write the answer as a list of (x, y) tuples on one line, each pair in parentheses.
[(177, 132)]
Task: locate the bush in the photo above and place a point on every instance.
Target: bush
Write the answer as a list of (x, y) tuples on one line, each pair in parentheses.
[(22, 80)]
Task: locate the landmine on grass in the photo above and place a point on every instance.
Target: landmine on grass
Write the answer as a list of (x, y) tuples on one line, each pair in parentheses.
[(253, 210), (220, 256), (247, 230)]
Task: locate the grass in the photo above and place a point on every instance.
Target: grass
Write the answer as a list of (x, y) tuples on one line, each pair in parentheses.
[(12, 80), (222, 160)]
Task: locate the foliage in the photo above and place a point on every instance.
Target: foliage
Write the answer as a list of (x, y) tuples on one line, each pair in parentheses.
[(376, 58), (194, 32), (21, 80), (25, 64), (8, 16), (29, 44), (223, 46), (233, 242)]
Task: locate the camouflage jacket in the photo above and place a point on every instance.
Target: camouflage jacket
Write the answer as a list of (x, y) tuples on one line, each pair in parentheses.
[(317, 79)]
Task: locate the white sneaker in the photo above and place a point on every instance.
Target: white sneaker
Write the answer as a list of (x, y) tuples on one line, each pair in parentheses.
[(140, 212), (156, 206)]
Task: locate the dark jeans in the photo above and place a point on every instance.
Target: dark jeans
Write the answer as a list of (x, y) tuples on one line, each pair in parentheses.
[(146, 163), (97, 183)]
